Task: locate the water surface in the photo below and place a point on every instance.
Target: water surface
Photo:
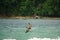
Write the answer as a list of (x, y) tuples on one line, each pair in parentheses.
[(41, 28)]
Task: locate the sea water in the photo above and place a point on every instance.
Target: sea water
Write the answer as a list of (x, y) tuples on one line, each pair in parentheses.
[(42, 29)]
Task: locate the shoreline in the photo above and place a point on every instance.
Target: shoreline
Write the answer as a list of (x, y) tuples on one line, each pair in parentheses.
[(30, 17)]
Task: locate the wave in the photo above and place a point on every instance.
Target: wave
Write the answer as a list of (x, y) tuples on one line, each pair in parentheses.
[(35, 38)]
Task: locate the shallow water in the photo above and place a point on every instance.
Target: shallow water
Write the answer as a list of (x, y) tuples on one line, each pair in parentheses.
[(41, 28)]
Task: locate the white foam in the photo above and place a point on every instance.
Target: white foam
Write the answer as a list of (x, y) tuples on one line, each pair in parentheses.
[(9, 39), (35, 38)]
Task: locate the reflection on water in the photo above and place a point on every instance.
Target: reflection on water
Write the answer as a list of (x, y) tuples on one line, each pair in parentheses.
[(41, 28)]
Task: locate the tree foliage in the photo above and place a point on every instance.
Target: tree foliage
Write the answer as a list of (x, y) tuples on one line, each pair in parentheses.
[(29, 7)]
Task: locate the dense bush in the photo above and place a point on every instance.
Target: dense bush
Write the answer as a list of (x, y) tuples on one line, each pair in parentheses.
[(30, 7)]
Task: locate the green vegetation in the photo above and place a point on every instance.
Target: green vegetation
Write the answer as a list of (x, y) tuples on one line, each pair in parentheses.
[(29, 7)]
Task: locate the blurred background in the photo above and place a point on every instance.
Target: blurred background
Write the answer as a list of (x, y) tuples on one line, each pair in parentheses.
[(49, 8)]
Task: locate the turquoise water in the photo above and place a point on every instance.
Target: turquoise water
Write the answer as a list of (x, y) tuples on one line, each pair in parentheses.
[(41, 28)]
